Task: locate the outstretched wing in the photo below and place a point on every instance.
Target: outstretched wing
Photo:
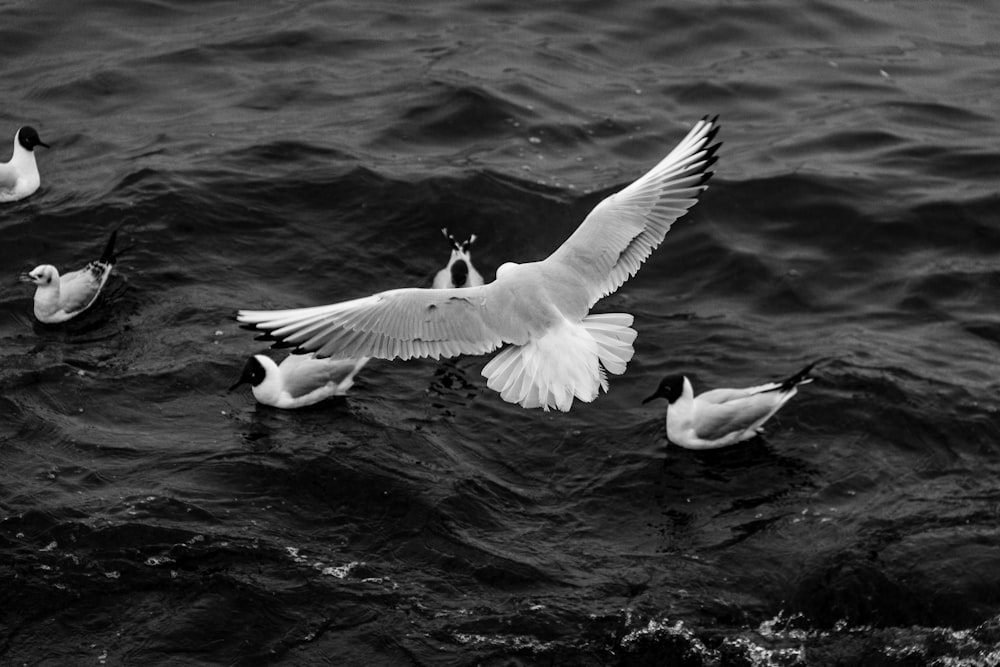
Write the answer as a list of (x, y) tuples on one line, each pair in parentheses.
[(400, 323), (619, 234)]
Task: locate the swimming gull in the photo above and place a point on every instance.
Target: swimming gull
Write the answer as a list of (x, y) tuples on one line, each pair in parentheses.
[(459, 272), (60, 298), (300, 379), (19, 176), (722, 417)]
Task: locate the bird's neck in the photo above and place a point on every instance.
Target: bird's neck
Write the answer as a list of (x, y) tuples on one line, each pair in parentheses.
[(47, 299), (269, 391), (23, 159)]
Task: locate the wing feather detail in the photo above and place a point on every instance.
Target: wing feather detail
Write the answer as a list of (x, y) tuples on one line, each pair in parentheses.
[(401, 323), (623, 229)]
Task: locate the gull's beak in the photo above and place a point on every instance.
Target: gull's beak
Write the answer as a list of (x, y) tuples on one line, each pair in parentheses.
[(244, 375), (649, 398), (26, 278), (42, 143), (455, 245)]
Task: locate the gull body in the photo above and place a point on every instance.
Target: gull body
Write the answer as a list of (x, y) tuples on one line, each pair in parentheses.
[(459, 272), (19, 176), (300, 379), (722, 417), (61, 298), (556, 350)]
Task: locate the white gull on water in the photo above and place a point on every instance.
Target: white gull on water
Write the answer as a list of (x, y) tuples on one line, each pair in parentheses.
[(459, 272), (19, 176), (300, 380), (722, 417), (60, 298), (556, 349)]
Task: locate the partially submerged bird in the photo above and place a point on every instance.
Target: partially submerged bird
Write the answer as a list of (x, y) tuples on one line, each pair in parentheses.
[(557, 350), (19, 176), (722, 417), (300, 379), (60, 298), (460, 272)]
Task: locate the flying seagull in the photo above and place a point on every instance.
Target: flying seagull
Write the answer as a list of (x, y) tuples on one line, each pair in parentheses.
[(556, 350)]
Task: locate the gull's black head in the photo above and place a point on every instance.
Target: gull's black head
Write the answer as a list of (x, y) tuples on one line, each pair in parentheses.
[(671, 388), (28, 137), (459, 273), (253, 373)]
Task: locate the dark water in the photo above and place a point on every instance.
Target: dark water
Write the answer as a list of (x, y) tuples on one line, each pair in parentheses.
[(291, 154)]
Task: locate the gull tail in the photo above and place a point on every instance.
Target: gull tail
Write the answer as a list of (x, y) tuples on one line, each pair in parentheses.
[(566, 363)]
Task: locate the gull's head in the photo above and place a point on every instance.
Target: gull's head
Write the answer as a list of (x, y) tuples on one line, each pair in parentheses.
[(459, 273), (43, 275), (671, 388), (27, 138), (254, 372), (460, 258), (505, 268)]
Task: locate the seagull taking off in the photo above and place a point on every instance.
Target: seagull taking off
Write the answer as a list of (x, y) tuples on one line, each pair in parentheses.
[(60, 298), (19, 177), (722, 417), (460, 272), (300, 379), (556, 349)]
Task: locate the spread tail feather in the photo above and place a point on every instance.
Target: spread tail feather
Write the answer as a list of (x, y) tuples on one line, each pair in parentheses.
[(614, 335), (567, 362)]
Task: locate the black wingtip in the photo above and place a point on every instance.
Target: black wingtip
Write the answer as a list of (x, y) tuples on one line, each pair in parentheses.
[(710, 137), (108, 256), (798, 378), (118, 252), (451, 239)]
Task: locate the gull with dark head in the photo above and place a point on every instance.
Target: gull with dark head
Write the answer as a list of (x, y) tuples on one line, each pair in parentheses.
[(19, 176), (60, 298), (300, 379), (460, 272), (722, 417), (556, 349)]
